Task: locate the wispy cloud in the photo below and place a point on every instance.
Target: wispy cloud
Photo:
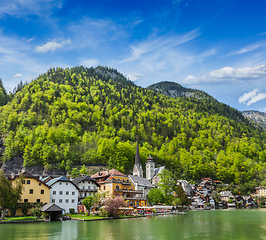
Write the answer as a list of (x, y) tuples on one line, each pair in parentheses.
[(249, 48), (228, 74), (52, 46), (89, 62), (23, 8), (29, 40), (252, 97), (18, 75), (159, 44), (135, 76)]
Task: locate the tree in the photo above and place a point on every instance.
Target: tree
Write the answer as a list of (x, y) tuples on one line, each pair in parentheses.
[(112, 205), (156, 196), (166, 185), (181, 196), (98, 200), (10, 192), (87, 202), (83, 170)]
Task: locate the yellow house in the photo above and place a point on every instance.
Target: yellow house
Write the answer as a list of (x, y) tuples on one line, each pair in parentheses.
[(33, 191), (119, 184)]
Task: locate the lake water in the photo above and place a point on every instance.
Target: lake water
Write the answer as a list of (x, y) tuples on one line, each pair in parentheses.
[(213, 224)]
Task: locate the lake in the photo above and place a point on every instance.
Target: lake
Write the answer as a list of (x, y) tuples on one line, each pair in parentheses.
[(213, 224)]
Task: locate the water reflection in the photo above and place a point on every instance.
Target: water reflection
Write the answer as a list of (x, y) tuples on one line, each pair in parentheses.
[(237, 224)]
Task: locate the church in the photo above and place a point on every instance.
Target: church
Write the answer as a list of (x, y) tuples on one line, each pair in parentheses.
[(151, 171)]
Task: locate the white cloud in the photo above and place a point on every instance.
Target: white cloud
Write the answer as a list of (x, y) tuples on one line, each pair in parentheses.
[(248, 96), (90, 62), (134, 77), (23, 8), (190, 79), (228, 74), (18, 75), (252, 97), (52, 46)]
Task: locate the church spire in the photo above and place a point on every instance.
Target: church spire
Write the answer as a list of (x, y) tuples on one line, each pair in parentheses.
[(137, 170), (137, 158)]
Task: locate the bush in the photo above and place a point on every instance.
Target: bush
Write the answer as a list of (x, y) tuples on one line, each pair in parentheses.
[(103, 212)]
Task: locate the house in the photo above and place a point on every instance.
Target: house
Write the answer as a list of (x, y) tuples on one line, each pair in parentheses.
[(142, 184), (33, 191), (52, 212), (119, 184), (248, 201), (64, 193), (197, 202), (87, 187), (260, 191), (226, 195)]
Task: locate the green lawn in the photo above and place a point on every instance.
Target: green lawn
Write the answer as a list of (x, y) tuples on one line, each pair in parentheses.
[(85, 217), (20, 218)]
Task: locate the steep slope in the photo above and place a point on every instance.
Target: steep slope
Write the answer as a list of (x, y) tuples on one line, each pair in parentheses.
[(257, 117), (92, 116)]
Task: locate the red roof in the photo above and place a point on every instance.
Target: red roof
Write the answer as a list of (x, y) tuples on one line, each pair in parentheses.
[(107, 173)]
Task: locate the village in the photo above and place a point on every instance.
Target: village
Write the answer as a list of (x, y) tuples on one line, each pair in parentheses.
[(61, 195)]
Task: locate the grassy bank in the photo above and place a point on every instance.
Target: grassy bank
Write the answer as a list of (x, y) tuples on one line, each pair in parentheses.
[(11, 219), (85, 217)]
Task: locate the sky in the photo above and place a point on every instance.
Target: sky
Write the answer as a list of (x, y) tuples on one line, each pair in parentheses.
[(217, 46)]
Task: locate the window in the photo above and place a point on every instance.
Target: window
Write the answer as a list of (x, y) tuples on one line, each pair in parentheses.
[(25, 200), (59, 183), (85, 194), (38, 200), (53, 200), (60, 200), (40, 184), (67, 200), (67, 192), (31, 191), (54, 192), (66, 183), (60, 192), (117, 187), (103, 187), (28, 181), (23, 181), (73, 200), (42, 191), (73, 193)]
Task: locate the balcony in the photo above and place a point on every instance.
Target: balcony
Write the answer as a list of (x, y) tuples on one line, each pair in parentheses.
[(128, 191), (88, 190), (136, 198)]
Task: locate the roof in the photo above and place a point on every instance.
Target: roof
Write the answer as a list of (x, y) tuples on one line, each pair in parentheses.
[(158, 170), (108, 173), (84, 178), (141, 181), (225, 193), (51, 207), (62, 179)]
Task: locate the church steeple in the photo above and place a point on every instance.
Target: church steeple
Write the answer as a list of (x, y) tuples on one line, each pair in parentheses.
[(137, 170)]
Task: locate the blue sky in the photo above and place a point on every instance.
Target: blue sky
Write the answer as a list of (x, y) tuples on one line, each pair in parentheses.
[(218, 46)]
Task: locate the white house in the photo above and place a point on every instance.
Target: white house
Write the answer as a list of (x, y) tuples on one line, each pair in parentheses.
[(63, 193), (142, 184), (87, 186)]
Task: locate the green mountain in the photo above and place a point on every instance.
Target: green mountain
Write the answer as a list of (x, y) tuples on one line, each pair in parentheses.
[(93, 116)]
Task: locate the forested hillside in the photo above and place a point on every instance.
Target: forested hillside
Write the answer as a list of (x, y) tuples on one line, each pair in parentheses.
[(80, 115)]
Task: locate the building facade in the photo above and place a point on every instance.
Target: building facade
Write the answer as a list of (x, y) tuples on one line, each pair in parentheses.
[(64, 193)]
